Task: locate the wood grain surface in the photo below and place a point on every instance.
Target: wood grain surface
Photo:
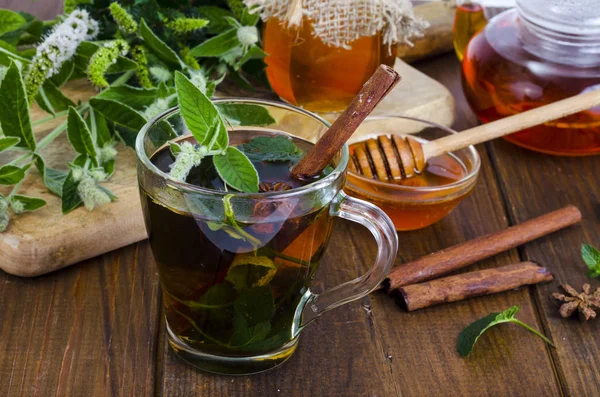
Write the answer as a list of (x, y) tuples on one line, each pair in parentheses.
[(95, 328), (43, 241)]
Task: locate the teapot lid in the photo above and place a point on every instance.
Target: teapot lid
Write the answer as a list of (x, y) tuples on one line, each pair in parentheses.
[(571, 17)]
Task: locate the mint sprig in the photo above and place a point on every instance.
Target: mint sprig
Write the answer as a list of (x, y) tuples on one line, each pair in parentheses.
[(591, 257), (469, 336), (207, 126)]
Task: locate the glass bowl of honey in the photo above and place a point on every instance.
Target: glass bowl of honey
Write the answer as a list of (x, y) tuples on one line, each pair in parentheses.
[(422, 200)]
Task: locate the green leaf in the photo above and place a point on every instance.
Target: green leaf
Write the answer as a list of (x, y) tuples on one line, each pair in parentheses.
[(200, 115), (70, 197), (137, 98), (53, 179), (215, 15), (14, 109), (254, 52), (80, 136), (10, 21), (175, 148), (271, 148), (247, 271), (29, 203), (250, 19), (253, 310), (118, 113), (51, 99), (64, 74), (217, 46), (236, 170), (216, 297), (158, 47), (164, 91), (255, 304), (11, 174), (6, 143), (99, 128), (591, 257), (244, 335), (245, 114), (469, 336)]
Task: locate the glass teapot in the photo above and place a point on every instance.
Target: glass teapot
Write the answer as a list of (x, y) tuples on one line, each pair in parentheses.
[(540, 52)]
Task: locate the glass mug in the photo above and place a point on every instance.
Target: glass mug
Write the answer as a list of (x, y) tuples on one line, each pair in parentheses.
[(236, 280)]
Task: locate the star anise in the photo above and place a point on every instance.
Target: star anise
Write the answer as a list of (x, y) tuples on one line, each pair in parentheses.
[(273, 187), (585, 303)]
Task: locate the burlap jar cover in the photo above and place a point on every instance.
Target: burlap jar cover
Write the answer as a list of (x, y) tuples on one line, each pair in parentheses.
[(339, 22)]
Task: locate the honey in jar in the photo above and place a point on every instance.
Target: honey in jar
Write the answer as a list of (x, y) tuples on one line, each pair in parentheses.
[(411, 203), (306, 72), (469, 20), (541, 52)]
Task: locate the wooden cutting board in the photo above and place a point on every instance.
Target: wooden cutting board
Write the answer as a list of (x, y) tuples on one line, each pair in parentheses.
[(45, 240)]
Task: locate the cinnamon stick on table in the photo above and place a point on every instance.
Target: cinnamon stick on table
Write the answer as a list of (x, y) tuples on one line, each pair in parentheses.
[(469, 285), (467, 253), (321, 154)]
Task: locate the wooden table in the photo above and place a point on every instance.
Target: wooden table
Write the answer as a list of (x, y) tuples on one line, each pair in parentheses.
[(96, 329)]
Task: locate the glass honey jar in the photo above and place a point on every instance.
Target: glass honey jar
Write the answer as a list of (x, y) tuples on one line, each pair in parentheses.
[(320, 53), (540, 52), (306, 72)]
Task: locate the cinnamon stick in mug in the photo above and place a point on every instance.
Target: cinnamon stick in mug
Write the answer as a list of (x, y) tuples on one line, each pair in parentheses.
[(464, 254), (469, 285)]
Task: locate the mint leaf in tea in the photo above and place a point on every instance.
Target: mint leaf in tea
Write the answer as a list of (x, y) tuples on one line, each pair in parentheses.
[(234, 270)]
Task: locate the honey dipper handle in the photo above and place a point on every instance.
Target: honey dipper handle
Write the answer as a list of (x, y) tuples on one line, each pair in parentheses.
[(508, 125)]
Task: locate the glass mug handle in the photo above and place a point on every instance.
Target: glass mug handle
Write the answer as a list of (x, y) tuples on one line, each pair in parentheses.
[(382, 228)]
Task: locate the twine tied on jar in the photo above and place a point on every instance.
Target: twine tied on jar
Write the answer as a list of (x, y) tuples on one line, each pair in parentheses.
[(339, 22)]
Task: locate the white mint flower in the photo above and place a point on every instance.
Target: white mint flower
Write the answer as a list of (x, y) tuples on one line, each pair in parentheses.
[(198, 79), (87, 189), (160, 74), (107, 153), (188, 158), (247, 35), (58, 47), (4, 214), (17, 206), (157, 107)]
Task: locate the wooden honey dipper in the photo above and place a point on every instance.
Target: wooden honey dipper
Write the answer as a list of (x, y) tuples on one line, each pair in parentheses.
[(393, 159)]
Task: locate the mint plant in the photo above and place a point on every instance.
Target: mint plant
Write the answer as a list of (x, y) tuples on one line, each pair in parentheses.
[(129, 51)]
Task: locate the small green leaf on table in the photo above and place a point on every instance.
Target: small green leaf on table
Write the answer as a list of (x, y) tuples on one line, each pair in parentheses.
[(245, 114), (53, 179), (200, 115), (271, 148), (469, 336), (591, 257), (29, 203), (7, 143), (10, 21), (80, 136), (118, 113), (70, 197), (218, 45), (158, 47), (14, 109), (236, 170), (11, 174)]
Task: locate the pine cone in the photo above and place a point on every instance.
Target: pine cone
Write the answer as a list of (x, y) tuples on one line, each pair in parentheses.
[(585, 303)]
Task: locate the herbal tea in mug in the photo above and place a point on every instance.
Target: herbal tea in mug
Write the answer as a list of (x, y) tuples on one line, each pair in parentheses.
[(236, 239)]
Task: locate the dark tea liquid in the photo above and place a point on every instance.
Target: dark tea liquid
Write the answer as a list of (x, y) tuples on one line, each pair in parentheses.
[(230, 292)]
